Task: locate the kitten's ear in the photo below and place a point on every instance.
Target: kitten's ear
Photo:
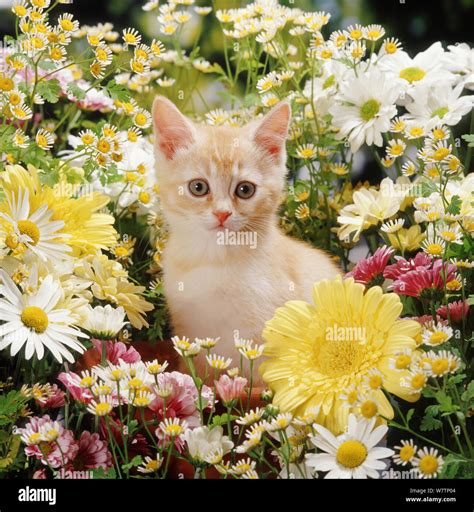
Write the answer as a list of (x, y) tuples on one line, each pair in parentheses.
[(173, 131), (272, 130)]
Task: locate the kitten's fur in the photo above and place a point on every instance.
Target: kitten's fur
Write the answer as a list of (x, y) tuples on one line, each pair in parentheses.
[(228, 290)]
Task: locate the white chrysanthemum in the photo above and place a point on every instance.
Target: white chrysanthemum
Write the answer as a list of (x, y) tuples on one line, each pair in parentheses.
[(460, 60), (201, 442), (439, 103), (425, 68), (36, 321), (104, 321), (35, 231), (350, 455), (364, 107)]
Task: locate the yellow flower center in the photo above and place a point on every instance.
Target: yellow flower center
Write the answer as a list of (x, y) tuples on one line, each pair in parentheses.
[(428, 465), (117, 374), (368, 409), (87, 382), (67, 25), (369, 110), (416, 131), (144, 197), (338, 358), (352, 397), (103, 146), (102, 409), (29, 228), (351, 454), (412, 74), (440, 366), (355, 34), (434, 249), (152, 465), (438, 337), (441, 154), (87, 139), (406, 453), (35, 318), (448, 235), (439, 134), (6, 84), (307, 153), (403, 361), (55, 54), (140, 120), (174, 430), (454, 284), (390, 47), (34, 438), (418, 381), (135, 383), (375, 381), (397, 149)]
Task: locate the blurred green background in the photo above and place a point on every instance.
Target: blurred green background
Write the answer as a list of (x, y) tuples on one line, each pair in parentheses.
[(417, 23)]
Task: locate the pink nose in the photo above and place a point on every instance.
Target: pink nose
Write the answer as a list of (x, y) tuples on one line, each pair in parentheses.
[(222, 216)]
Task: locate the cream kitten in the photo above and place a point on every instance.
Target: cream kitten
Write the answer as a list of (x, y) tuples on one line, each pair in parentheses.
[(227, 266)]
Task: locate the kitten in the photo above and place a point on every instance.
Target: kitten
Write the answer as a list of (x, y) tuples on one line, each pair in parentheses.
[(227, 266)]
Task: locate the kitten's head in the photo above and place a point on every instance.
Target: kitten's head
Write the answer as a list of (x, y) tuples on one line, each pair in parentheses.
[(214, 178)]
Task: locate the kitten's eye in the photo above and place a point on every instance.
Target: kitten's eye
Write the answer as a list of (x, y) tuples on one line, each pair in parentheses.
[(245, 190), (198, 188)]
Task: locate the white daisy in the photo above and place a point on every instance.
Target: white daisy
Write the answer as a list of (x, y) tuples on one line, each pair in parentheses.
[(33, 231), (350, 455), (35, 320), (364, 107)]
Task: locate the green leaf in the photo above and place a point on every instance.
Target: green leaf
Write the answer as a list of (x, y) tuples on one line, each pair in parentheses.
[(410, 414), (76, 91), (430, 422), (136, 461), (468, 395), (117, 91), (219, 421), (469, 139), (49, 90), (101, 473), (454, 207)]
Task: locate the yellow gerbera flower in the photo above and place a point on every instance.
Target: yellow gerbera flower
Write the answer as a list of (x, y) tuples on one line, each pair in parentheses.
[(317, 352), (88, 230)]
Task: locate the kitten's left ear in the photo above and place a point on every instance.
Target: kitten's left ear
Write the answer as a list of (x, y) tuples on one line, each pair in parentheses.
[(272, 130)]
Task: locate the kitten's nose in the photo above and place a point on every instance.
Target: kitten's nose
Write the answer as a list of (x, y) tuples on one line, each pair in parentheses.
[(222, 216)]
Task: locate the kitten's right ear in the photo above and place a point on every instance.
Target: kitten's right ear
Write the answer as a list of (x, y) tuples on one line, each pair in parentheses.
[(173, 131)]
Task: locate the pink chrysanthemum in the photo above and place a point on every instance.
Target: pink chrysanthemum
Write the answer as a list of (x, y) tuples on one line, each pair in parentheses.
[(72, 382), (427, 283), (402, 266), (114, 351), (93, 453), (54, 400), (181, 402), (229, 389), (369, 271), (456, 310)]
